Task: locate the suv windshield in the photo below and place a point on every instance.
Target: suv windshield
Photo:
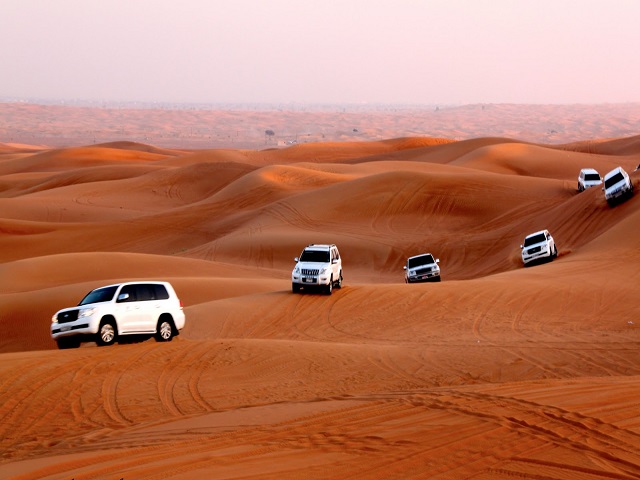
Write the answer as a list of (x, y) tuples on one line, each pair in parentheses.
[(532, 240), (99, 295), (613, 180), (592, 177), (319, 256), (421, 260)]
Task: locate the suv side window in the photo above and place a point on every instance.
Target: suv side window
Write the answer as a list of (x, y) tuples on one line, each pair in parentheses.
[(145, 292), (161, 292), (131, 291)]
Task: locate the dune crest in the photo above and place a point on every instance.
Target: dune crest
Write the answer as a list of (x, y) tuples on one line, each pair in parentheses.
[(498, 371)]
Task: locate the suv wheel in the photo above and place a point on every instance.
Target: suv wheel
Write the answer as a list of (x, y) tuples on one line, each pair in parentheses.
[(106, 333), (164, 332), (295, 287), (339, 282), (329, 287)]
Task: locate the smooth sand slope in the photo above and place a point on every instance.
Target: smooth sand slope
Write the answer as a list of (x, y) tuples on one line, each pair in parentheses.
[(497, 372)]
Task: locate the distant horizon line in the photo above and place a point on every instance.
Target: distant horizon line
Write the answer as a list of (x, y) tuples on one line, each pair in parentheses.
[(167, 105)]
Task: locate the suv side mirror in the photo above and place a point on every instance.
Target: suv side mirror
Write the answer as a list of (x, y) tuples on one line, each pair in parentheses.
[(437, 260), (521, 247), (123, 297), (334, 261), (405, 267), (296, 259)]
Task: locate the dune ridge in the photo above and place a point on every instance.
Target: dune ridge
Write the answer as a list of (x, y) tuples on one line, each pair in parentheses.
[(498, 371)]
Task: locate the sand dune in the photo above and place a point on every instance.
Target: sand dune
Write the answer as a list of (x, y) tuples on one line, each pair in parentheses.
[(498, 372)]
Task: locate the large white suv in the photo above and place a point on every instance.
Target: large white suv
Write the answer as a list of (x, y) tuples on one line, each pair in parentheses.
[(617, 185), (317, 266), (132, 308), (422, 268), (588, 177), (538, 246)]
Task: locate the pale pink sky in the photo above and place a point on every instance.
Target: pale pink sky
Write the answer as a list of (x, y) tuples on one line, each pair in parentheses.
[(322, 51)]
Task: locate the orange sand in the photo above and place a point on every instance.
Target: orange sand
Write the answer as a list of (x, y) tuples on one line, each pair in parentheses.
[(497, 372)]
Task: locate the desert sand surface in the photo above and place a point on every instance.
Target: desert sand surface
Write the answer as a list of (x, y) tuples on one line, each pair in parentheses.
[(497, 372), (264, 126)]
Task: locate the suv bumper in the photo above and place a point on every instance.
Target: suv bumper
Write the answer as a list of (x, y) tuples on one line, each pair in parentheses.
[(536, 256), (304, 280), (426, 277), (618, 193), (82, 326)]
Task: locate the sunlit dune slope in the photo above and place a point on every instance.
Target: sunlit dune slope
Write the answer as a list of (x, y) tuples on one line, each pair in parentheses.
[(498, 371), (620, 147), (471, 211)]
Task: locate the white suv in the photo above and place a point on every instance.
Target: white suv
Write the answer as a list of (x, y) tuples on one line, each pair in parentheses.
[(422, 268), (617, 185), (588, 177), (318, 266), (538, 246), (132, 308)]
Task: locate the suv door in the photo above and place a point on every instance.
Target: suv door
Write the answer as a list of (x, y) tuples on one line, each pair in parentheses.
[(335, 264), (128, 313), (150, 297)]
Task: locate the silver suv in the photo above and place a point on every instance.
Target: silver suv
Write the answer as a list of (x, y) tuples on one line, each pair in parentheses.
[(617, 185), (538, 246), (422, 268), (318, 266), (132, 308)]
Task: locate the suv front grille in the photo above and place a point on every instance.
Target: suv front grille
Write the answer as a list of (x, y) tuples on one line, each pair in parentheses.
[(534, 250), (68, 316), (309, 271), (423, 270)]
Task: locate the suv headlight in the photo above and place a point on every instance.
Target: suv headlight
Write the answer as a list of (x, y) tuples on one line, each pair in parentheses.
[(324, 270), (296, 270), (86, 312), (54, 319)]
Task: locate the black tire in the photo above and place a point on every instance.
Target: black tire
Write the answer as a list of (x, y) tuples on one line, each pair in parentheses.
[(339, 282), (295, 287), (437, 279), (107, 333), (165, 330), (329, 288), (555, 252), (65, 343)]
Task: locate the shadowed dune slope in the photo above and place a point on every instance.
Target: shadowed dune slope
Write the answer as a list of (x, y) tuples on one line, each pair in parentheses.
[(497, 371)]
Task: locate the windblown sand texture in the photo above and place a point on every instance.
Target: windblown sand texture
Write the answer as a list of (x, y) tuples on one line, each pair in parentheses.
[(497, 372)]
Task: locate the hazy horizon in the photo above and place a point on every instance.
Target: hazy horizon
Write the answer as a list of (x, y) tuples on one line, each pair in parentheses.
[(375, 52)]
